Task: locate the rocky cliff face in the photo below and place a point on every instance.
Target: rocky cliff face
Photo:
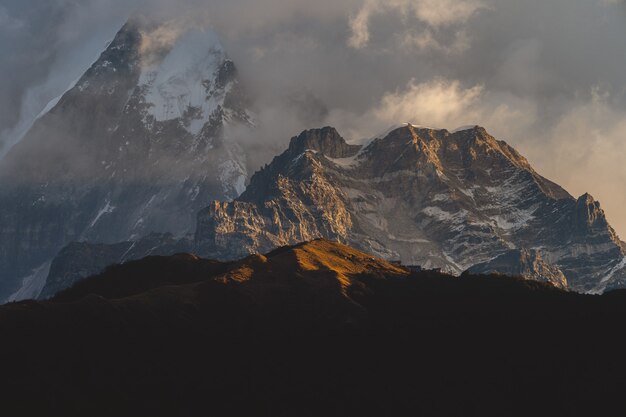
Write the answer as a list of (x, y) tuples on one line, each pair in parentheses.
[(292, 200), (523, 263), (428, 197), (80, 260), (144, 141), (139, 145)]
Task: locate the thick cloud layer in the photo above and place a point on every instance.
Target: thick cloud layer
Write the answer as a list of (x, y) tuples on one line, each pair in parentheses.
[(547, 76)]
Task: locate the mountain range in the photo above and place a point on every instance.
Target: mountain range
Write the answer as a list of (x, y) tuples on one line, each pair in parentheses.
[(454, 201), (140, 157), (426, 197), (147, 270)]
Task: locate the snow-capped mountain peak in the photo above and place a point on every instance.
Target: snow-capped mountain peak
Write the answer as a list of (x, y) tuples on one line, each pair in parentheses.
[(427, 197), (187, 81), (139, 145)]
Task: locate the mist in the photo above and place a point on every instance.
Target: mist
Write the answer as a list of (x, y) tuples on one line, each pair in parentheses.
[(546, 76)]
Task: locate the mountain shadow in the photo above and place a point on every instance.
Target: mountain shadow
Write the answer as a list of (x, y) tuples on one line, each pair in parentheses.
[(318, 329)]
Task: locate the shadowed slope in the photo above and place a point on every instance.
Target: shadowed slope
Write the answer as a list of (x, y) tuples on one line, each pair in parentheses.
[(318, 329)]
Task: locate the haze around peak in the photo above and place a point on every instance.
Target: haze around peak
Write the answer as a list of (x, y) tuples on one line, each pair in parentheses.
[(546, 76)]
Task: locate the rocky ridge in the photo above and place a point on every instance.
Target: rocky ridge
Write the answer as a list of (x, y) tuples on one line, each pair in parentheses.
[(524, 263), (427, 197)]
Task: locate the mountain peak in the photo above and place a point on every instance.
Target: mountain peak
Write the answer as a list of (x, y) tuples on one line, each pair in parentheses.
[(589, 212), (587, 199), (326, 141), (327, 255), (423, 196), (410, 146), (139, 145), (413, 127)]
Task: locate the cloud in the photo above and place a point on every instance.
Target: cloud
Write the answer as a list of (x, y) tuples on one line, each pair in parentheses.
[(426, 40), (433, 13), (9, 23), (157, 41), (586, 152), (443, 104), (525, 70), (446, 12), (437, 103)]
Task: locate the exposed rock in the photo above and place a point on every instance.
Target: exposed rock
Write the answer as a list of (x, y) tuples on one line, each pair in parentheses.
[(139, 145), (523, 263), (326, 141), (81, 260), (290, 201), (425, 197)]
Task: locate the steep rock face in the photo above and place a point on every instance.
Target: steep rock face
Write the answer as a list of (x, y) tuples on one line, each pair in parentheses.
[(427, 197), (139, 145), (326, 141), (290, 201), (590, 253), (522, 263), (81, 260)]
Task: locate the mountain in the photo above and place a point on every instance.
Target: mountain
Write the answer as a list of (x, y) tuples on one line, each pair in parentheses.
[(138, 145), (523, 263), (327, 270), (147, 138), (315, 329), (426, 197), (80, 260)]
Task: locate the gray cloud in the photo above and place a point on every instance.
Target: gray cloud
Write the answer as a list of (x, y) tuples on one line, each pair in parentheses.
[(433, 13), (9, 23), (547, 76)]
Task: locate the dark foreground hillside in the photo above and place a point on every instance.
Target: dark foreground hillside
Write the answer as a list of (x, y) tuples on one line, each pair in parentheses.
[(317, 330)]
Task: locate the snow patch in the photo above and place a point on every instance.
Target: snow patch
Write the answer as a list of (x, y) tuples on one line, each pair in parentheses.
[(233, 178), (468, 192), (448, 258), (345, 162), (444, 216), (194, 193), (515, 220), (131, 247), (182, 82), (606, 280), (406, 240), (108, 208), (33, 284), (440, 197)]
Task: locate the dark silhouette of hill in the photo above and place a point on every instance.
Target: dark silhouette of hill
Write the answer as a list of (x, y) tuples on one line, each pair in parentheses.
[(319, 329)]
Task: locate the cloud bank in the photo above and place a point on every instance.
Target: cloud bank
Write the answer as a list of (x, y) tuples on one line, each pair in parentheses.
[(432, 13), (547, 76)]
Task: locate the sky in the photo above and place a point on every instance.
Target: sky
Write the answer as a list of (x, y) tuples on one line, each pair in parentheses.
[(547, 76)]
